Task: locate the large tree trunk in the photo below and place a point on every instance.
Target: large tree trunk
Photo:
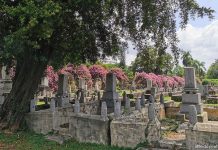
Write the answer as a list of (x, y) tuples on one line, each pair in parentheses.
[(28, 74)]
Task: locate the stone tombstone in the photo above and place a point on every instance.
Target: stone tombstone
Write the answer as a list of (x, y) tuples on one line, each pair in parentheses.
[(192, 115), (153, 91), (161, 98), (82, 83), (110, 95), (190, 81), (127, 104), (138, 104), (151, 112), (52, 104), (77, 107), (143, 99), (205, 90), (110, 82), (151, 99), (33, 105), (104, 109), (82, 97), (3, 72), (149, 84), (117, 110), (62, 85), (44, 81)]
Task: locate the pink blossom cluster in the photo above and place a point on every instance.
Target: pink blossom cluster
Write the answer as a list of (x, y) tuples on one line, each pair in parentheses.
[(158, 80), (119, 74), (52, 78), (97, 71)]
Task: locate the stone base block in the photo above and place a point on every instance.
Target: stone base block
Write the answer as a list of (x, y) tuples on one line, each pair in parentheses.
[(191, 98), (184, 108), (203, 117)]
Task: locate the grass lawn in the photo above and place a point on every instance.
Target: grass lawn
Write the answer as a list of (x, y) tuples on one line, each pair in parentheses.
[(212, 105), (40, 103), (167, 98), (32, 141)]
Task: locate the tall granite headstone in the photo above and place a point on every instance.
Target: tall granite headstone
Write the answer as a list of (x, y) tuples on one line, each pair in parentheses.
[(191, 96), (110, 96)]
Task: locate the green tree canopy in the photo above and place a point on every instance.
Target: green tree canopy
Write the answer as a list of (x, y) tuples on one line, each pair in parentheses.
[(34, 33), (212, 72), (152, 60)]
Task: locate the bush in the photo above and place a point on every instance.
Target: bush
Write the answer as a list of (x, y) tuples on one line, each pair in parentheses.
[(212, 81)]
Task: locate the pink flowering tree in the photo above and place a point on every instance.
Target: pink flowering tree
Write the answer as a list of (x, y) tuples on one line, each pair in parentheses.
[(97, 72), (83, 72), (120, 75), (52, 78)]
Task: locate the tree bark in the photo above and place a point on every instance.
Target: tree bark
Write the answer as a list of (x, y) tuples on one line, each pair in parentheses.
[(28, 74)]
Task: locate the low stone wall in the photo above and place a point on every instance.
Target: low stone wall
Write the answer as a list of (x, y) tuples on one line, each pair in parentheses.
[(40, 122), (45, 121), (128, 131), (202, 136), (212, 113), (89, 128)]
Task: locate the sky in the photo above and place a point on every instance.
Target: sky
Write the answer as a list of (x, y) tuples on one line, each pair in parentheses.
[(200, 37)]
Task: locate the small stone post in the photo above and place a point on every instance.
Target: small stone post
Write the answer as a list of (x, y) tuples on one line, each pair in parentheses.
[(104, 110), (77, 107), (99, 96), (151, 112), (151, 99), (117, 110), (52, 105), (127, 104), (33, 105), (124, 96), (161, 98), (138, 104), (143, 100)]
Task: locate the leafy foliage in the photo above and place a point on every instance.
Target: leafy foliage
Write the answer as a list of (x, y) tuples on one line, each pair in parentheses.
[(212, 72)]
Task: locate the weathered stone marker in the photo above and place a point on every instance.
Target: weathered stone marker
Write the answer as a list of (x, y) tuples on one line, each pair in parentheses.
[(143, 100), (151, 99), (151, 112), (127, 104), (161, 98), (62, 85), (52, 105), (153, 91), (191, 96), (33, 105), (149, 84), (77, 107), (192, 115), (110, 96), (104, 110), (138, 104), (117, 110)]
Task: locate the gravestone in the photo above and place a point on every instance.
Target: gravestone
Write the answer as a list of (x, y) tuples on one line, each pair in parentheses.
[(138, 104), (104, 110), (191, 96), (82, 83), (143, 100), (151, 99), (77, 107), (110, 96), (192, 115), (99, 95), (151, 112), (62, 85), (161, 98), (149, 84), (33, 105), (127, 104), (52, 105), (153, 91), (124, 96), (117, 110)]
